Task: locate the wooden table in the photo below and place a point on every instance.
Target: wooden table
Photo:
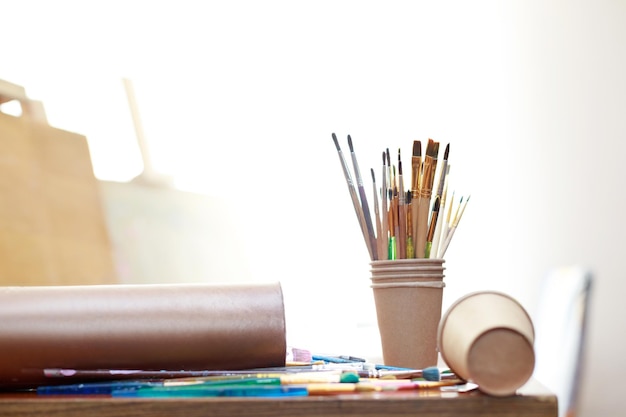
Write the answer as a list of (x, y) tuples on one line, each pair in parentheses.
[(532, 400)]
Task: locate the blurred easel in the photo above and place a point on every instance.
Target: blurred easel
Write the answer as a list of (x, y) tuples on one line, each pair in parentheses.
[(52, 226)]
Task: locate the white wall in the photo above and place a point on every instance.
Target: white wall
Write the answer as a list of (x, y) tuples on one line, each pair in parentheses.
[(531, 95)]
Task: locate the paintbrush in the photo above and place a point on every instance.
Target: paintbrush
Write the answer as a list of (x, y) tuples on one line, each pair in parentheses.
[(364, 205), (431, 229), (434, 252), (401, 238), (379, 231), (390, 179), (410, 249), (384, 253), (434, 240), (445, 227), (396, 213), (455, 224), (57, 375), (355, 199), (416, 169), (444, 171), (391, 248), (425, 192)]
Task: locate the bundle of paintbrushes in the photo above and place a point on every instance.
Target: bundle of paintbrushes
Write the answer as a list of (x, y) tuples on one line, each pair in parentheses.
[(313, 375), (407, 222), (318, 379)]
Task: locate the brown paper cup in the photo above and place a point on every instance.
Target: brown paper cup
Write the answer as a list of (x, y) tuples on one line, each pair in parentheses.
[(407, 295), (487, 338)]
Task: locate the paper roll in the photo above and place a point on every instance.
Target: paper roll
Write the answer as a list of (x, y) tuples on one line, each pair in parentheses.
[(147, 327)]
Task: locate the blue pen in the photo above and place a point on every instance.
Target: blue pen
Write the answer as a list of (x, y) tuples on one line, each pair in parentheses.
[(95, 388), (215, 391), (337, 359), (107, 387)]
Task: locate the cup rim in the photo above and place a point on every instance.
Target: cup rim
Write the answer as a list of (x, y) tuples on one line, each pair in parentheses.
[(408, 269), (446, 314), (410, 261), (418, 277)]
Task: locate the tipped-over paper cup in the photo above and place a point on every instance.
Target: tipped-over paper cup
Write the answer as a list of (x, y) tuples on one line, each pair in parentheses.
[(408, 294), (487, 338)]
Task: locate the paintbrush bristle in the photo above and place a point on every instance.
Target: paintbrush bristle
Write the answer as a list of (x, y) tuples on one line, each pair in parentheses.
[(388, 160), (436, 204), (446, 152), (336, 142), (384, 159), (399, 167), (373, 176), (435, 150), (429, 147), (350, 143), (417, 148), (431, 374), (432, 149)]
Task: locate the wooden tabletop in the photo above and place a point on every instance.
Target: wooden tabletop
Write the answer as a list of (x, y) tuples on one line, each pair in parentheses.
[(532, 400)]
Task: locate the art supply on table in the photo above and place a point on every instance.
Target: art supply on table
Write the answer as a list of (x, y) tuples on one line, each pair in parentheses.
[(487, 337), (59, 375), (419, 208), (301, 375), (410, 247), (224, 391), (358, 209), (435, 253), (408, 296), (380, 243), (259, 384), (269, 387), (453, 226), (298, 354), (150, 326), (416, 177), (95, 388), (371, 235), (383, 254), (278, 390), (337, 359), (425, 192), (431, 228), (369, 370), (324, 375), (420, 225), (443, 172), (249, 379), (402, 212)]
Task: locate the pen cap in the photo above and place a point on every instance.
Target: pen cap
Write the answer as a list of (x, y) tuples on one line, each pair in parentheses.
[(487, 337), (146, 327)]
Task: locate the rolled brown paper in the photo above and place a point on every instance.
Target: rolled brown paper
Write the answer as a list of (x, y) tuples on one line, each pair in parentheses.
[(147, 327)]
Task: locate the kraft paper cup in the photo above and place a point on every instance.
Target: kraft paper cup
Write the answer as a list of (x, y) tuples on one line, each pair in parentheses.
[(408, 295), (487, 338)]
